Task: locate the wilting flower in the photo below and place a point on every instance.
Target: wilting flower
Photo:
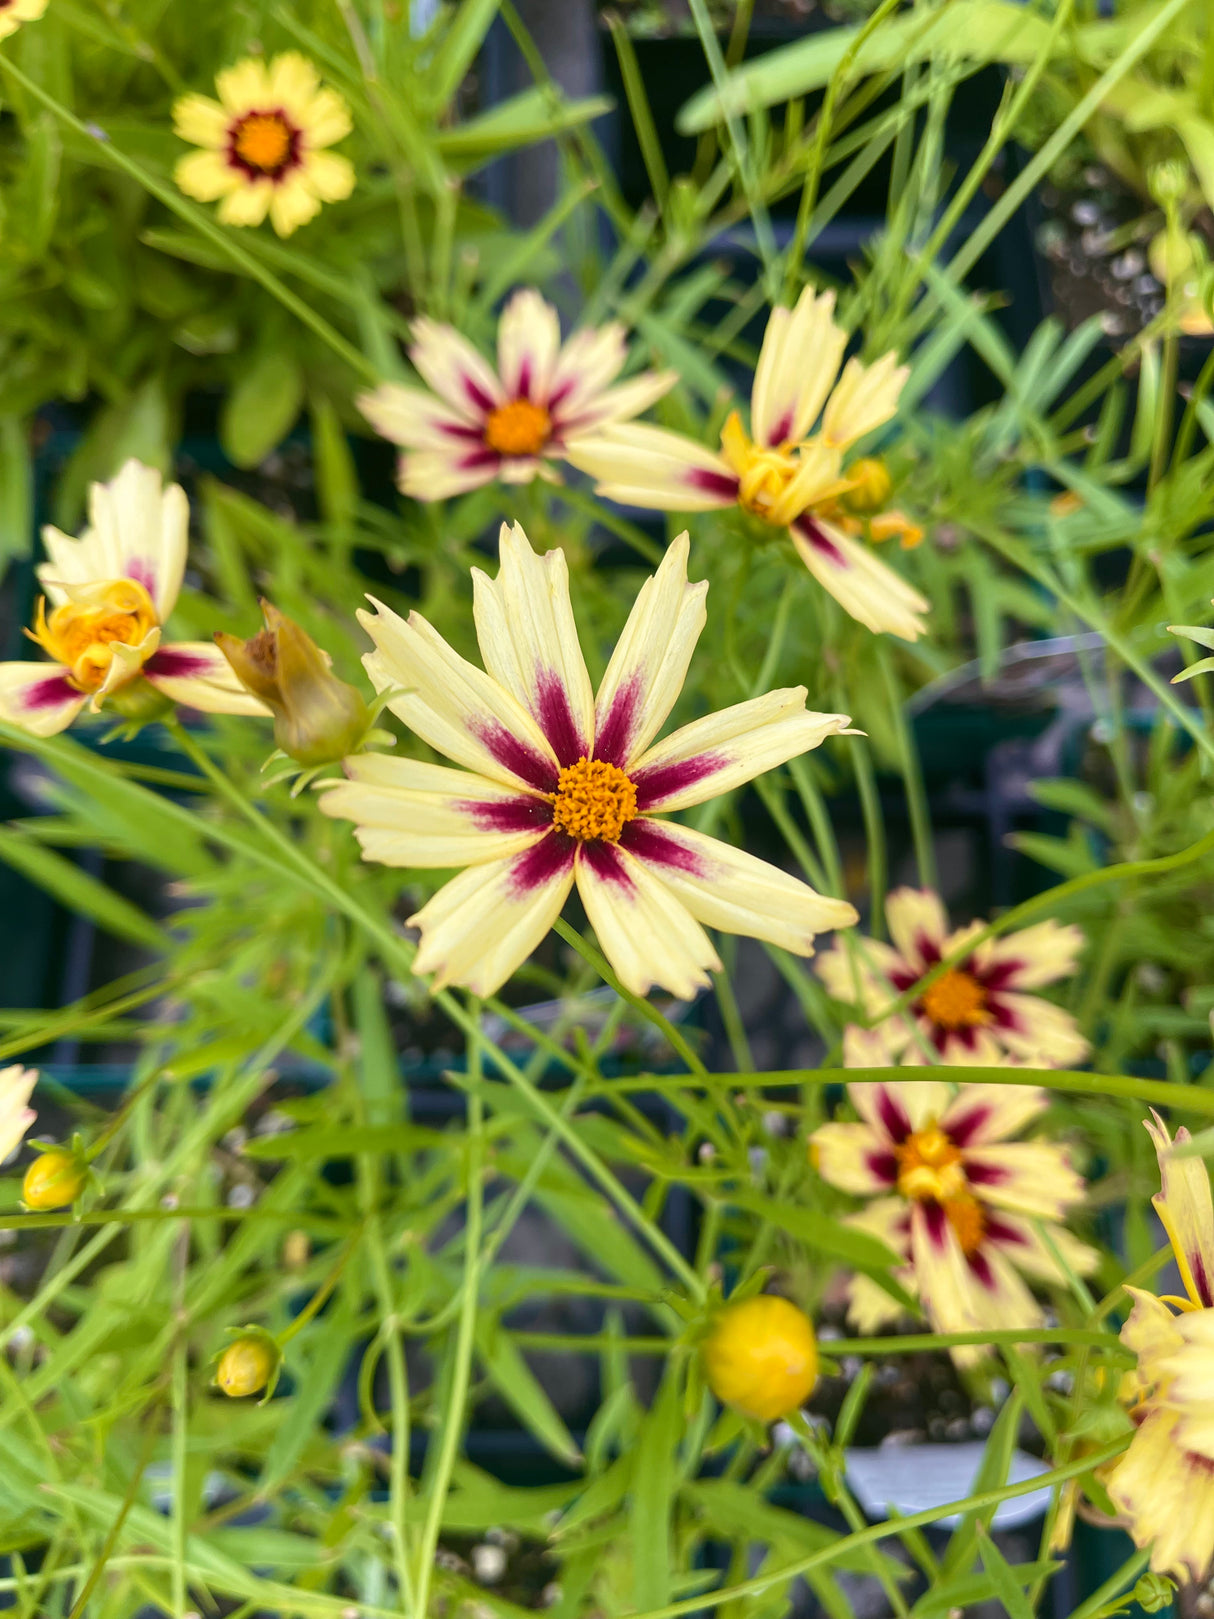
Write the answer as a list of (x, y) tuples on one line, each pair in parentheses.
[(479, 424), (317, 717), (761, 1357), (263, 143), (1164, 1484), (561, 787), (110, 592), (16, 1088), (957, 1199), (977, 1013), (14, 12), (779, 471)]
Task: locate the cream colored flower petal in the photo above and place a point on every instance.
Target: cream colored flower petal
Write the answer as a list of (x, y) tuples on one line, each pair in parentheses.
[(962, 1048), (247, 206), (619, 404), (640, 465), (1019, 1239), (138, 529), (454, 369), (893, 1108), (981, 1114), (1167, 1496), (292, 83), (1151, 1334), (869, 1306), (646, 934), (866, 396), (27, 10), (715, 754), (415, 418), (1038, 1031), (1034, 956), (528, 342), (485, 923), (292, 204), (16, 1116), (529, 642), (1029, 1177), (197, 675), (1184, 1206), (38, 697), (727, 888), (874, 1048), (207, 176), (871, 592), (589, 361), (326, 121), (454, 706), (244, 86), (798, 363), (126, 665), (979, 1293), (1188, 1374), (853, 1158), (649, 664), (439, 474), (917, 925), (201, 121), (858, 970), (330, 176)]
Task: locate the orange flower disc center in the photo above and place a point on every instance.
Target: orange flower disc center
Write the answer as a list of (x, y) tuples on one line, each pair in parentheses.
[(81, 633), (929, 1167), (593, 799), (956, 1001), (965, 1214), (262, 140), (518, 428), (763, 474)]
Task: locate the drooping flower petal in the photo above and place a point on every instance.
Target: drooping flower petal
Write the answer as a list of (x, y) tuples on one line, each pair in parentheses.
[(647, 935), (38, 697), (529, 642), (1184, 1207), (872, 593), (197, 675), (640, 465)]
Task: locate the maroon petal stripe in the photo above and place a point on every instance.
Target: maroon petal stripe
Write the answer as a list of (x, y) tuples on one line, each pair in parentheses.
[(537, 866)]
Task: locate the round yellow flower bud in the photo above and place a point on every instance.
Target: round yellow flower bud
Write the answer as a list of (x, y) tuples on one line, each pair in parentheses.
[(870, 485), (53, 1180), (246, 1366), (761, 1357)]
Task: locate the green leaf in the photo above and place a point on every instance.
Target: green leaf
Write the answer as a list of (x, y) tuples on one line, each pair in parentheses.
[(262, 407), (456, 54), (16, 492), (653, 1488), (342, 1141), (336, 475), (519, 1387), (522, 120), (827, 1234)]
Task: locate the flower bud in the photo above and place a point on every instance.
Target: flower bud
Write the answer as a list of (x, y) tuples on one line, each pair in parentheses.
[(869, 484), (248, 1364), (54, 1179), (761, 1357), (318, 719)]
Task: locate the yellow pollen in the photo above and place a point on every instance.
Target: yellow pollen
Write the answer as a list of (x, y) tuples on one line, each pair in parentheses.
[(593, 800), (518, 428), (263, 141), (929, 1166), (81, 633), (763, 474), (968, 1220), (956, 1001)]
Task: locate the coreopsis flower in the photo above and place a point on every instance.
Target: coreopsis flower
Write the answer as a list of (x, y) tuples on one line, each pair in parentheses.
[(761, 1357), (317, 717), (263, 143), (561, 786), (478, 423), (14, 12), (1164, 1484), (978, 1012), (110, 593), (16, 1116), (780, 471), (957, 1199)]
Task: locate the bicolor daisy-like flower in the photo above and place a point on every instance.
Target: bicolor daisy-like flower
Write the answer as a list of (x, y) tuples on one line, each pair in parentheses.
[(263, 143), (1164, 1484), (967, 1208), (14, 12), (110, 593), (561, 786), (977, 1013), (781, 472), (479, 424), (16, 1116)]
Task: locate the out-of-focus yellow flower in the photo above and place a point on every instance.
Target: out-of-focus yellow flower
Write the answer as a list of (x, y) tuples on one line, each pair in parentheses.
[(54, 1180), (14, 12), (263, 143), (248, 1364), (317, 717), (761, 1357), (1164, 1484)]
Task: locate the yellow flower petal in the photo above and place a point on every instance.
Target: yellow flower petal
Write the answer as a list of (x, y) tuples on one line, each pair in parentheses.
[(207, 176), (202, 121), (1184, 1206)]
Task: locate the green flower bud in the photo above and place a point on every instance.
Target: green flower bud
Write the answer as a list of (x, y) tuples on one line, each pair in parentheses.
[(1169, 182), (249, 1364), (54, 1180), (1153, 1592), (318, 719)]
